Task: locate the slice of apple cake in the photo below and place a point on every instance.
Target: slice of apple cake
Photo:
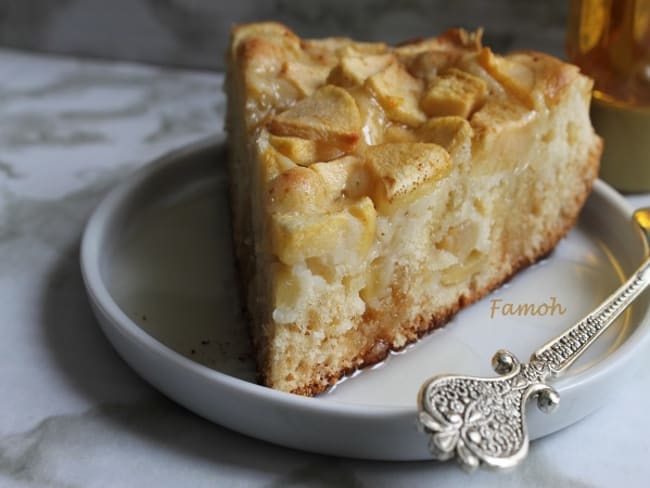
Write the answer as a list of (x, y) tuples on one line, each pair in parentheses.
[(376, 190)]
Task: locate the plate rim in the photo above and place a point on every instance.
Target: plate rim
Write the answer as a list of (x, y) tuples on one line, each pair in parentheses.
[(97, 290)]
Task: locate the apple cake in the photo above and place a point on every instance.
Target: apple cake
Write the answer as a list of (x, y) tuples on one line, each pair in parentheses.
[(377, 190)]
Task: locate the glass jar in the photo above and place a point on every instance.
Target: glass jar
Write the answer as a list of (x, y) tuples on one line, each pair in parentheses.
[(610, 41)]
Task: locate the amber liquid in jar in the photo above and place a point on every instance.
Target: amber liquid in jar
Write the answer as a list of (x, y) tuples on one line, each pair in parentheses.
[(610, 41)]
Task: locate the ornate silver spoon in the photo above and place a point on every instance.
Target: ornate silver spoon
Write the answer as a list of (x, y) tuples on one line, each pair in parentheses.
[(481, 421)]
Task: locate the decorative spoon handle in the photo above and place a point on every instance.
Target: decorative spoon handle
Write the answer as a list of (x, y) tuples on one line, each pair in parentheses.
[(481, 421), (562, 351)]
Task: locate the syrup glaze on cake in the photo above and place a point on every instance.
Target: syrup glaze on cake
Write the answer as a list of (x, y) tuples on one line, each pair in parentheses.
[(377, 190)]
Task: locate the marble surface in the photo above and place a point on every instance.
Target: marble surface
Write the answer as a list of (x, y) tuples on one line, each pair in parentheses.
[(72, 414), (194, 33)]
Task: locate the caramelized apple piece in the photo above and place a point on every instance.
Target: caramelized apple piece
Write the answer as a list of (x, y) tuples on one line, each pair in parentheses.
[(550, 73), (344, 236), (329, 115), (347, 177), (329, 51), (305, 77), (496, 125), (402, 170), (303, 151), (428, 64), (373, 117), (261, 59), (356, 67), (273, 31), (296, 189), (365, 48), (399, 133), (273, 163), (453, 93), (454, 40), (398, 92), (517, 78), (449, 132)]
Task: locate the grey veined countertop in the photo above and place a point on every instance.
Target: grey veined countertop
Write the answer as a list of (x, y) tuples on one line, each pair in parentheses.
[(72, 414)]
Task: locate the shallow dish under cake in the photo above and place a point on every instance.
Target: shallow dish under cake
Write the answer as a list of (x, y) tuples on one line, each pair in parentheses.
[(154, 249)]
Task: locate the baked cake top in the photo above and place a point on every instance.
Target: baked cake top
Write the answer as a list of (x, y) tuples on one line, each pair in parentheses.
[(404, 86), (365, 128)]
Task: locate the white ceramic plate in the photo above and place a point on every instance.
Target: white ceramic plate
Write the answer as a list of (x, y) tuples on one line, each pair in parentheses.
[(157, 263)]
